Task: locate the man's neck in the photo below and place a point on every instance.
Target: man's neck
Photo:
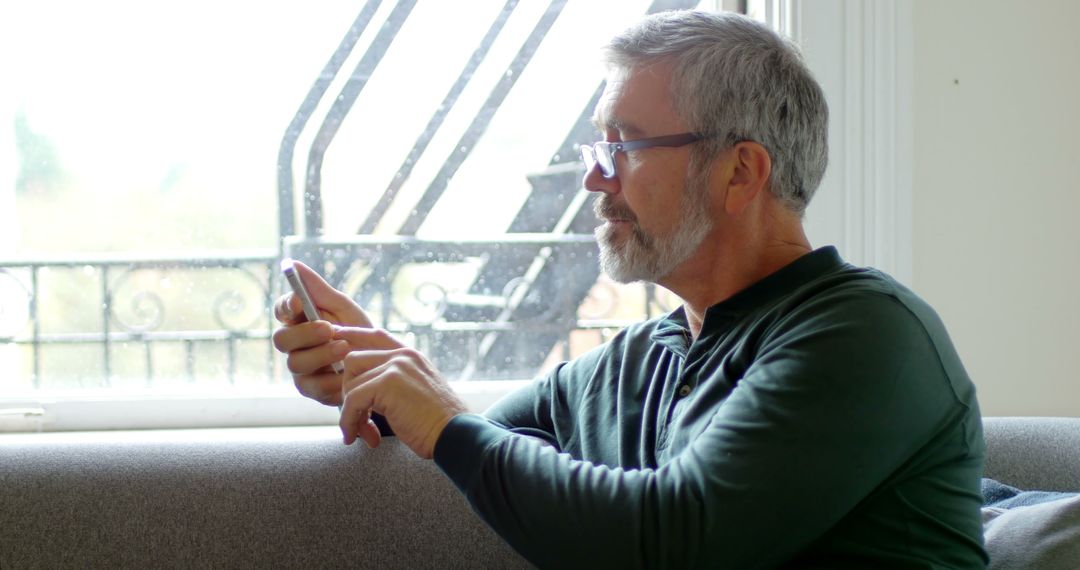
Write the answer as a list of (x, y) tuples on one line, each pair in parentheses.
[(716, 273)]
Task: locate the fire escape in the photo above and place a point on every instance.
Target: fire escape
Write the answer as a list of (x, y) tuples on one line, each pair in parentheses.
[(531, 280)]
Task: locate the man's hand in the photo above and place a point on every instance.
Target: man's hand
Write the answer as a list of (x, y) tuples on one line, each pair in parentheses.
[(313, 346), (391, 379)]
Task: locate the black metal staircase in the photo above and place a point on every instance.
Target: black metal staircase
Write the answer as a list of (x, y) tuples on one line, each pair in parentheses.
[(531, 280)]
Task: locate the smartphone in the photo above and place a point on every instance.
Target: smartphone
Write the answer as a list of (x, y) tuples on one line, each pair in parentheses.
[(310, 311)]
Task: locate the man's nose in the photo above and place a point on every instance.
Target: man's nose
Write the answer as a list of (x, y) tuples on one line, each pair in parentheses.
[(594, 181)]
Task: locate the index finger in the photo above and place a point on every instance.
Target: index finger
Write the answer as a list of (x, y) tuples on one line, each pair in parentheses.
[(288, 310), (368, 339)]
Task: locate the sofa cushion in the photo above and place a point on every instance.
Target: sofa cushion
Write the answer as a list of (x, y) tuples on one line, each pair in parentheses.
[(1044, 535)]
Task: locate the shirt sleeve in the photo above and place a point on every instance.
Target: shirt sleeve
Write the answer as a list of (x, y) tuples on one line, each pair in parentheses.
[(544, 408), (516, 413), (520, 408), (828, 410)]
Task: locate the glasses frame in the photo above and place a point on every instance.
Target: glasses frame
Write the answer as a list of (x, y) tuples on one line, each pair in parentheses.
[(603, 153)]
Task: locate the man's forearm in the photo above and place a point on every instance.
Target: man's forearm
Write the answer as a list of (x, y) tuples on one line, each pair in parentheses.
[(557, 511)]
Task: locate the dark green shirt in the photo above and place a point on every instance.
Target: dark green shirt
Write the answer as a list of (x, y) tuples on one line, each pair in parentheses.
[(822, 418)]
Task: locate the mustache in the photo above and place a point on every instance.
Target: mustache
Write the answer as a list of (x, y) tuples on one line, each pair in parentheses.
[(607, 208)]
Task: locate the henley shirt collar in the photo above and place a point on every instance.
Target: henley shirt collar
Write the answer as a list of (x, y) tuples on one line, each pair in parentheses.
[(673, 331)]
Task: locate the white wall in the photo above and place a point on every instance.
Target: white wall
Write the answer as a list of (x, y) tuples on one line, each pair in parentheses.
[(954, 151), (996, 197)]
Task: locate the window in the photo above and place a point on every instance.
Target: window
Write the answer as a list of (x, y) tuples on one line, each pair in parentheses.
[(160, 161)]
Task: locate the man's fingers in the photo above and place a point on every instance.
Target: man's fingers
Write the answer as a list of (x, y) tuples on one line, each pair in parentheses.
[(356, 415), (368, 338), (363, 428), (365, 365), (329, 299), (288, 309), (369, 432), (323, 388), (310, 360), (333, 304), (303, 335)]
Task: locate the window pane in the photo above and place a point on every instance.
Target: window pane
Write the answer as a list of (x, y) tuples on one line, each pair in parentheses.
[(141, 209)]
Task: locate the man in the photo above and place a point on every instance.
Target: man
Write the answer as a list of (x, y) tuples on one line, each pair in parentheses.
[(794, 411)]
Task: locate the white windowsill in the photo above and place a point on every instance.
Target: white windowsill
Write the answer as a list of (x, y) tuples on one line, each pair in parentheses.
[(257, 435), (279, 407)]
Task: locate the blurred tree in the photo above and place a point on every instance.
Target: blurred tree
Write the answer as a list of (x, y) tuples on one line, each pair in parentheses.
[(40, 170)]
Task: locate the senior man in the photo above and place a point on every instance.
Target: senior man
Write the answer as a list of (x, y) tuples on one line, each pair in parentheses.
[(796, 410)]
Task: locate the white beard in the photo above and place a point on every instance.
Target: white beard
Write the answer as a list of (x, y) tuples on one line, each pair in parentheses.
[(645, 257)]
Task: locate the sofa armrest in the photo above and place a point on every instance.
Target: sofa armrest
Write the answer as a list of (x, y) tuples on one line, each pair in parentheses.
[(1033, 452), (268, 497)]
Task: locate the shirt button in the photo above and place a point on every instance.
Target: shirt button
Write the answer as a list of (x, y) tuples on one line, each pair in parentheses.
[(684, 391)]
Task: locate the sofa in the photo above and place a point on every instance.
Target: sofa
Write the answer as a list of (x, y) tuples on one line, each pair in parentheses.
[(296, 497)]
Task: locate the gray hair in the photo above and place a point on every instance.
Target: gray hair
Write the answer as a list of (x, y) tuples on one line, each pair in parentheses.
[(734, 79)]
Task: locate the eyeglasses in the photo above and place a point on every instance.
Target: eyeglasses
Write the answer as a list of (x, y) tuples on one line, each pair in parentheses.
[(603, 153)]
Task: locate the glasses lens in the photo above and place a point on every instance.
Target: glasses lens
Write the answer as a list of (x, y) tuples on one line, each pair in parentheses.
[(598, 154), (587, 156), (605, 160)]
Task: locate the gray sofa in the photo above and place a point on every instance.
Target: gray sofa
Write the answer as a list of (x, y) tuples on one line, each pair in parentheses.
[(296, 497)]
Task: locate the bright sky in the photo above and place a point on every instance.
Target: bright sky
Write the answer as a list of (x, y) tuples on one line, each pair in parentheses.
[(133, 93)]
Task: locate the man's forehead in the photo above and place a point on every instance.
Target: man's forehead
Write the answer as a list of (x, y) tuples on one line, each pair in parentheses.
[(602, 115), (634, 98)]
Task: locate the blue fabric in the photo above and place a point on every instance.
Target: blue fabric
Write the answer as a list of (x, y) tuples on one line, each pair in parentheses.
[(1002, 496)]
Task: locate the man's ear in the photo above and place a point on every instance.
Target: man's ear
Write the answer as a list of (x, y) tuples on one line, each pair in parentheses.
[(750, 169)]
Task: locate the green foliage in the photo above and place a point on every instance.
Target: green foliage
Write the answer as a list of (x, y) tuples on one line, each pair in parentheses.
[(40, 169)]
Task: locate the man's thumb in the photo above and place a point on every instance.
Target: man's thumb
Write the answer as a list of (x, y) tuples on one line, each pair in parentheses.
[(330, 299)]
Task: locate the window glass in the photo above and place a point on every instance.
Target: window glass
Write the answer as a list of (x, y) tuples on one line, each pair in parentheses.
[(159, 160)]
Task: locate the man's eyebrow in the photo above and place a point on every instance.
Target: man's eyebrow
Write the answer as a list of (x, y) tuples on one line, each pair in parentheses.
[(614, 124), (598, 124)]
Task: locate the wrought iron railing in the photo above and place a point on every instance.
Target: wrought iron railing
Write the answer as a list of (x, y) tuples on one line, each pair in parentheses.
[(120, 311), (121, 305)]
